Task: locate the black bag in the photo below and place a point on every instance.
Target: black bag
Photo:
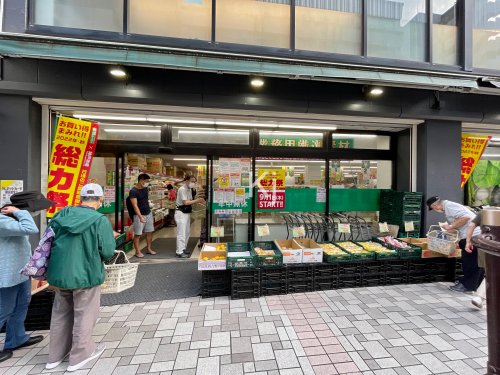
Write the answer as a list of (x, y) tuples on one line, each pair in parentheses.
[(186, 209), (130, 208)]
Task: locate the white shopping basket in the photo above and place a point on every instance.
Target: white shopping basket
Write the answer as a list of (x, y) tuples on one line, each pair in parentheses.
[(440, 241), (120, 274)]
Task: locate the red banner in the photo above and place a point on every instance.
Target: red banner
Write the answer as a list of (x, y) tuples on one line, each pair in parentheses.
[(72, 154)]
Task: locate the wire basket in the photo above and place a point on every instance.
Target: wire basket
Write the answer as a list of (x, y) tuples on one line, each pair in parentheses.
[(120, 274), (440, 241)]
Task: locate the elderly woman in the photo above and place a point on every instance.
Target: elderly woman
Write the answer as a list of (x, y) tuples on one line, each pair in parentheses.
[(16, 224)]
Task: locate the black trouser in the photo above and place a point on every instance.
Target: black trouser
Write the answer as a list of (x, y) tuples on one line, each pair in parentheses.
[(473, 275)]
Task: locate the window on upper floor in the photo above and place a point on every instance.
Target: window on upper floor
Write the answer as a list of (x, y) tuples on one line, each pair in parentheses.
[(329, 26), (80, 14), (444, 32), (174, 18), (486, 34), (397, 29), (254, 22)]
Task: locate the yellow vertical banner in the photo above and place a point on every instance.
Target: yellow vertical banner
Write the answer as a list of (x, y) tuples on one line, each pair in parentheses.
[(472, 148), (72, 153)]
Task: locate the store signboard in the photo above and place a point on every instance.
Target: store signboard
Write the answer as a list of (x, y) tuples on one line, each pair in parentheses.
[(271, 179), (271, 200), (9, 188), (343, 143), (472, 148), (276, 140), (73, 150)]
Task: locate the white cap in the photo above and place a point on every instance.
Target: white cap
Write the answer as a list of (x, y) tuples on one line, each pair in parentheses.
[(92, 190)]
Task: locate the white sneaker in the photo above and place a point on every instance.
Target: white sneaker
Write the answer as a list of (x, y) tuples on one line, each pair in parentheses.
[(52, 365), (97, 352), (477, 301)]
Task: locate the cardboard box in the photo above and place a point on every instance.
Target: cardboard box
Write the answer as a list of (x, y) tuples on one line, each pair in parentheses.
[(154, 165), (312, 252), (207, 253), (136, 160), (426, 253), (292, 254)]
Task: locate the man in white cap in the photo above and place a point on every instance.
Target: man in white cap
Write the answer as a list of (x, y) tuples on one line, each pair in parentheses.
[(83, 239)]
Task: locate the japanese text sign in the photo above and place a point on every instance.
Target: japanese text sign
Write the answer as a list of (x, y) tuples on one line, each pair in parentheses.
[(9, 188), (298, 232), (73, 149), (472, 148), (271, 178)]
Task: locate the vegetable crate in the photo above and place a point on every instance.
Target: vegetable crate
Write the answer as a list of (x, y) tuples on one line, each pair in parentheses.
[(275, 260), (233, 263)]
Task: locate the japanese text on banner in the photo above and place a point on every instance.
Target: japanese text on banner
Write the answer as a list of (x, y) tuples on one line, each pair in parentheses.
[(72, 153), (472, 148)]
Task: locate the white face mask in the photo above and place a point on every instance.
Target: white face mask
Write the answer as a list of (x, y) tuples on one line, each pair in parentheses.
[(192, 185), (146, 184)]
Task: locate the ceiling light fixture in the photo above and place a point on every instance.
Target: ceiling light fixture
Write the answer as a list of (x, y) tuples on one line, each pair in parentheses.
[(132, 130), (118, 72), (354, 135), (108, 117), (278, 133), (311, 127), (189, 159), (180, 121), (257, 82), (255, 124), (376, 91)]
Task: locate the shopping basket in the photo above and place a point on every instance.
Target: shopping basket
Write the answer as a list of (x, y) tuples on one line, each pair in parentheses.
[(440, 241), (120, 274)]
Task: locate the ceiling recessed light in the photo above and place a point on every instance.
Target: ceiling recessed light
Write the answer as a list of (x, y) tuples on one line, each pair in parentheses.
[(376, 91), (257, 82), (118, 71)]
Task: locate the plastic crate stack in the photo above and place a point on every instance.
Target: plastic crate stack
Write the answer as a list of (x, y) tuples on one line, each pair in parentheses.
[(40, 311), (398, 207), (215, 283), (300, 278), (245, 283)]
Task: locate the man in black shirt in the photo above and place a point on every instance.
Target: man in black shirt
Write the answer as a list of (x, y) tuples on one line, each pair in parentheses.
[(143, 217)]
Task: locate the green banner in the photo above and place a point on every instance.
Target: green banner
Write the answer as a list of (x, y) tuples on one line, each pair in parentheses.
[(290, 141), (354, 199)]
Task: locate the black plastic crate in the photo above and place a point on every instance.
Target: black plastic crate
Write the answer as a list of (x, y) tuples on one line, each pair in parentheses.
[(435, 277), (326, 283), (249, 290), (439, 266), (215, 290), (299, 272), (245, 276), (371, 268), (374, 280), (353, 268), (400, 266), (272, 289), (418, 278), (215, 277), (349, 281), (394, 278), (326, 270), (40, 311), (300, 286), (268, 275), (419, 266)]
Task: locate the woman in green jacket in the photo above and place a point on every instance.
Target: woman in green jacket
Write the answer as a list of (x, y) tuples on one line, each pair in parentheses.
[(83, 239)]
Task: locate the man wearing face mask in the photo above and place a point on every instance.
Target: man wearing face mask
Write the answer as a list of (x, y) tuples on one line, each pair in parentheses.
[(184, 208), (143, 217), (83, 239)]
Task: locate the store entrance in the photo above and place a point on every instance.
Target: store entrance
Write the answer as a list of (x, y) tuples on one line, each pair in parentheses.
[(166, 172)]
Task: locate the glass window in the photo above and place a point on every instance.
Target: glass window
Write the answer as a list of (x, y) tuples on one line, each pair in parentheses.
[(212, 136), (290, 139), (173, 18), (123, 132), (397, 29), (328, 26), (261, 23), (365, 141), (486, 34), (361, 174), (444, 32), (80, 14)]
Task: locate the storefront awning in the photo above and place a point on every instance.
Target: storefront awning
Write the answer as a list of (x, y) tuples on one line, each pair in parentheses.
[(23, 45)]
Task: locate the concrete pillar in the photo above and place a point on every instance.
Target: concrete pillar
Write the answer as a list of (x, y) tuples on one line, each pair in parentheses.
[(438, 164)]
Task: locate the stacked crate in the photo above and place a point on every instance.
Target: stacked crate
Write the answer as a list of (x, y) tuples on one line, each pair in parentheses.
[(326, 276), (398, 207), (300, 278), (215, 283), (273, 281), (245, 283)]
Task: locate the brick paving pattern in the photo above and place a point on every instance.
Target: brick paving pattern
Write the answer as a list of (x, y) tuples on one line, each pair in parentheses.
[(391, 330)]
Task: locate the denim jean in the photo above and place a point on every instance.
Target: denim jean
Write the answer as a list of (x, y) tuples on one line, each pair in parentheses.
[(14, 302)]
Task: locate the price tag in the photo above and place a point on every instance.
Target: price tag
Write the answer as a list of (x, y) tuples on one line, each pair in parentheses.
[(216, 231), (298, 232), (263, 230), (383, 227), (409, 227), (344, 228)]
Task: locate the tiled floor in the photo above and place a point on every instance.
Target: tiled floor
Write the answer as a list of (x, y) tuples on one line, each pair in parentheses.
[(406, 329)]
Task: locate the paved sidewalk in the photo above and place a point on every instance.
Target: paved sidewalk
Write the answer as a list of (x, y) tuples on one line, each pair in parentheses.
[(405, 329)]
